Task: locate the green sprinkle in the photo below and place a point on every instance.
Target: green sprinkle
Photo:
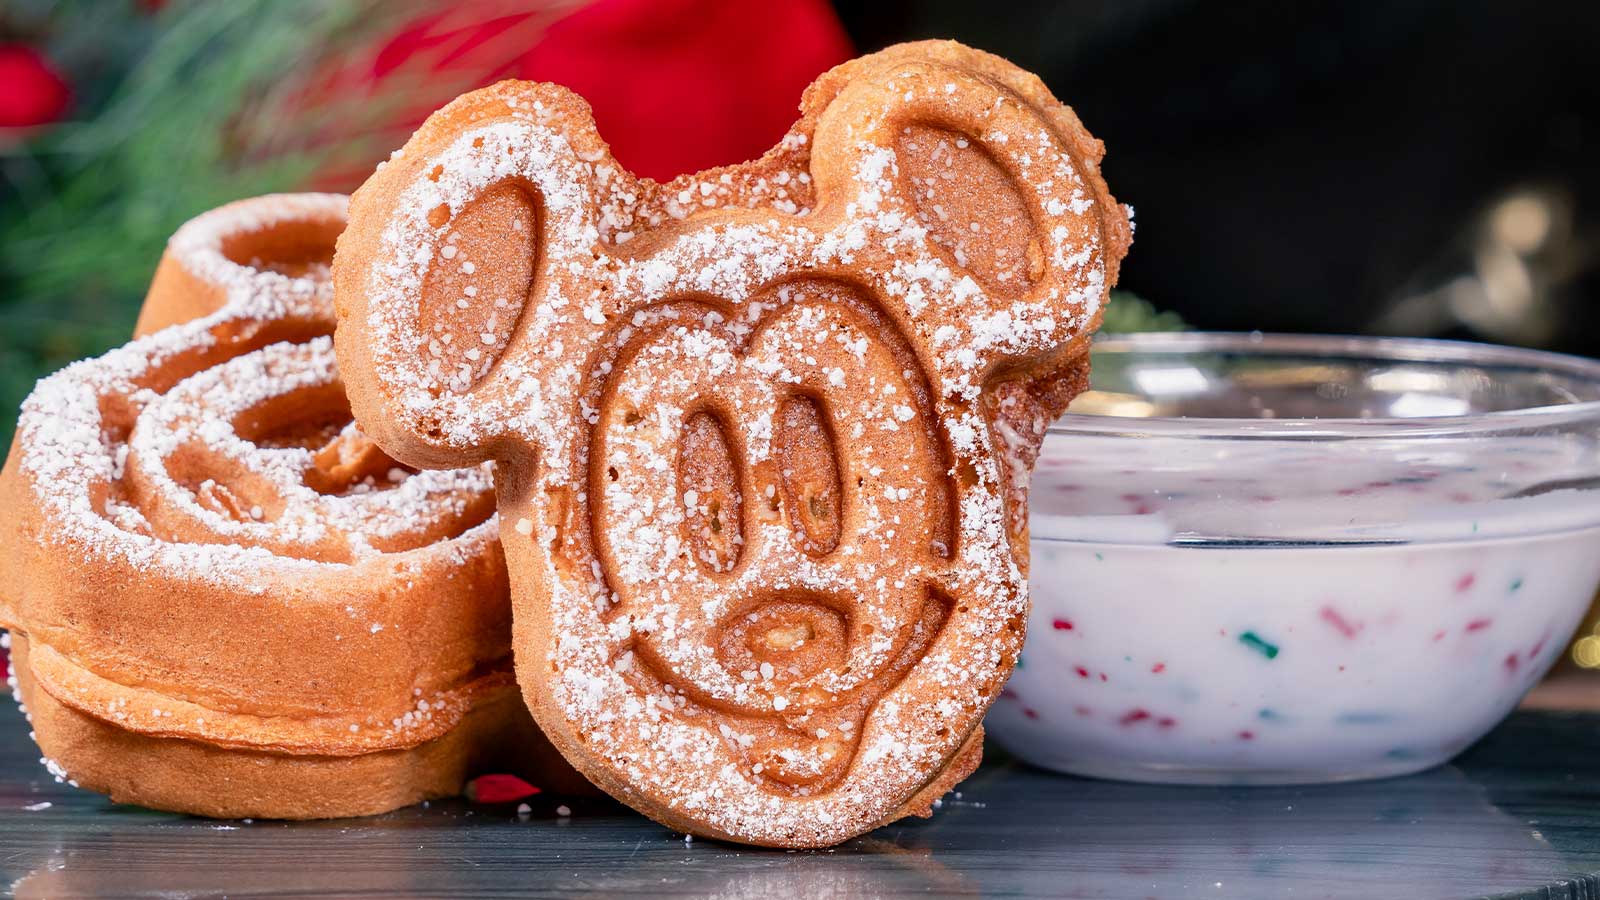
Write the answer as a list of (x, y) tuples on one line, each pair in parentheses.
[(1100, 557), (1019, 660), (1516, 585), (1269, 715), (1401, 753), (1474, 527), (1254, 642)]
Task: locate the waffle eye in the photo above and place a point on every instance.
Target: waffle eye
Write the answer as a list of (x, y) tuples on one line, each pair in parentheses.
[(810, 470), (708, 489)]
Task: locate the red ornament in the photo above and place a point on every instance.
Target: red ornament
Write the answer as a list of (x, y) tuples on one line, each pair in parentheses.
[(676, 85), (683, 85), (31, 92)]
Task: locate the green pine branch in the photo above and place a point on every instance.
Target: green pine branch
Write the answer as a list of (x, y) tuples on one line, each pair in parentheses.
[(171, 117)]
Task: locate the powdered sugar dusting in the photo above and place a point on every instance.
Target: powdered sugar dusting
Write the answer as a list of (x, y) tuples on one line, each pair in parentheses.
[(181, 457), (630, 328)]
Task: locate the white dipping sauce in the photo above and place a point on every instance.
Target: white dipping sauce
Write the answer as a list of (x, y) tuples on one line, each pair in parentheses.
[(1393, 610)]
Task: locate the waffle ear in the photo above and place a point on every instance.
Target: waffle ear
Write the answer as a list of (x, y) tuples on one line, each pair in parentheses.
[(462, 218), (470, 300), (1003, 182)]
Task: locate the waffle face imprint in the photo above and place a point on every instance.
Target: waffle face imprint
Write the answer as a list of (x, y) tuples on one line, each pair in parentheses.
[(763, 433)]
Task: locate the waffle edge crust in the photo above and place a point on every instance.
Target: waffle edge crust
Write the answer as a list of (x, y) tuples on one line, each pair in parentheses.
[(762, 434)]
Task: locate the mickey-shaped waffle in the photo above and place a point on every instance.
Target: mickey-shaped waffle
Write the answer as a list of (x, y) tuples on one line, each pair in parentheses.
[(762, 434), (224, 599)]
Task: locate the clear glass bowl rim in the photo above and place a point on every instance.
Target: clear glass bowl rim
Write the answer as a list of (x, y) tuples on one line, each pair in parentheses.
[(1353, 347)]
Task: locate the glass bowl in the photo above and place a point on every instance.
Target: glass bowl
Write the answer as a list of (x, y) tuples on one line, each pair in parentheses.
[(1282, 559)]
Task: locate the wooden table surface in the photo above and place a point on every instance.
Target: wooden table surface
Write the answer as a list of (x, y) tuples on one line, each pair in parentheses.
[(1519, 815)]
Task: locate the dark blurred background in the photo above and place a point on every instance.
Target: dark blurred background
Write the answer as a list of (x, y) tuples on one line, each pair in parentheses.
[(1403, 167)]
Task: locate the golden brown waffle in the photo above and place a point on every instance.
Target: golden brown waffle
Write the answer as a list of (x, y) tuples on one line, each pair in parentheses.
[(763, 432), (224, 599)]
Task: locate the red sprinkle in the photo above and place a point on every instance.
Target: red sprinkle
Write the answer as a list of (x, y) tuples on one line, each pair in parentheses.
[(1340, 623), (1465, 582), (1247, 735), (1030, 712), (1133, 717), (1166, 722), (1511, 662), (1438, 635), (1479, 624), (499, 789), (1082, 710), (1082, 672), (1062, 624), (1158, 668), (1103, 677), (1536, 648)]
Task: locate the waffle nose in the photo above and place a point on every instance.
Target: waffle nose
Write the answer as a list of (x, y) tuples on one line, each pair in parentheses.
[(784, 641)]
